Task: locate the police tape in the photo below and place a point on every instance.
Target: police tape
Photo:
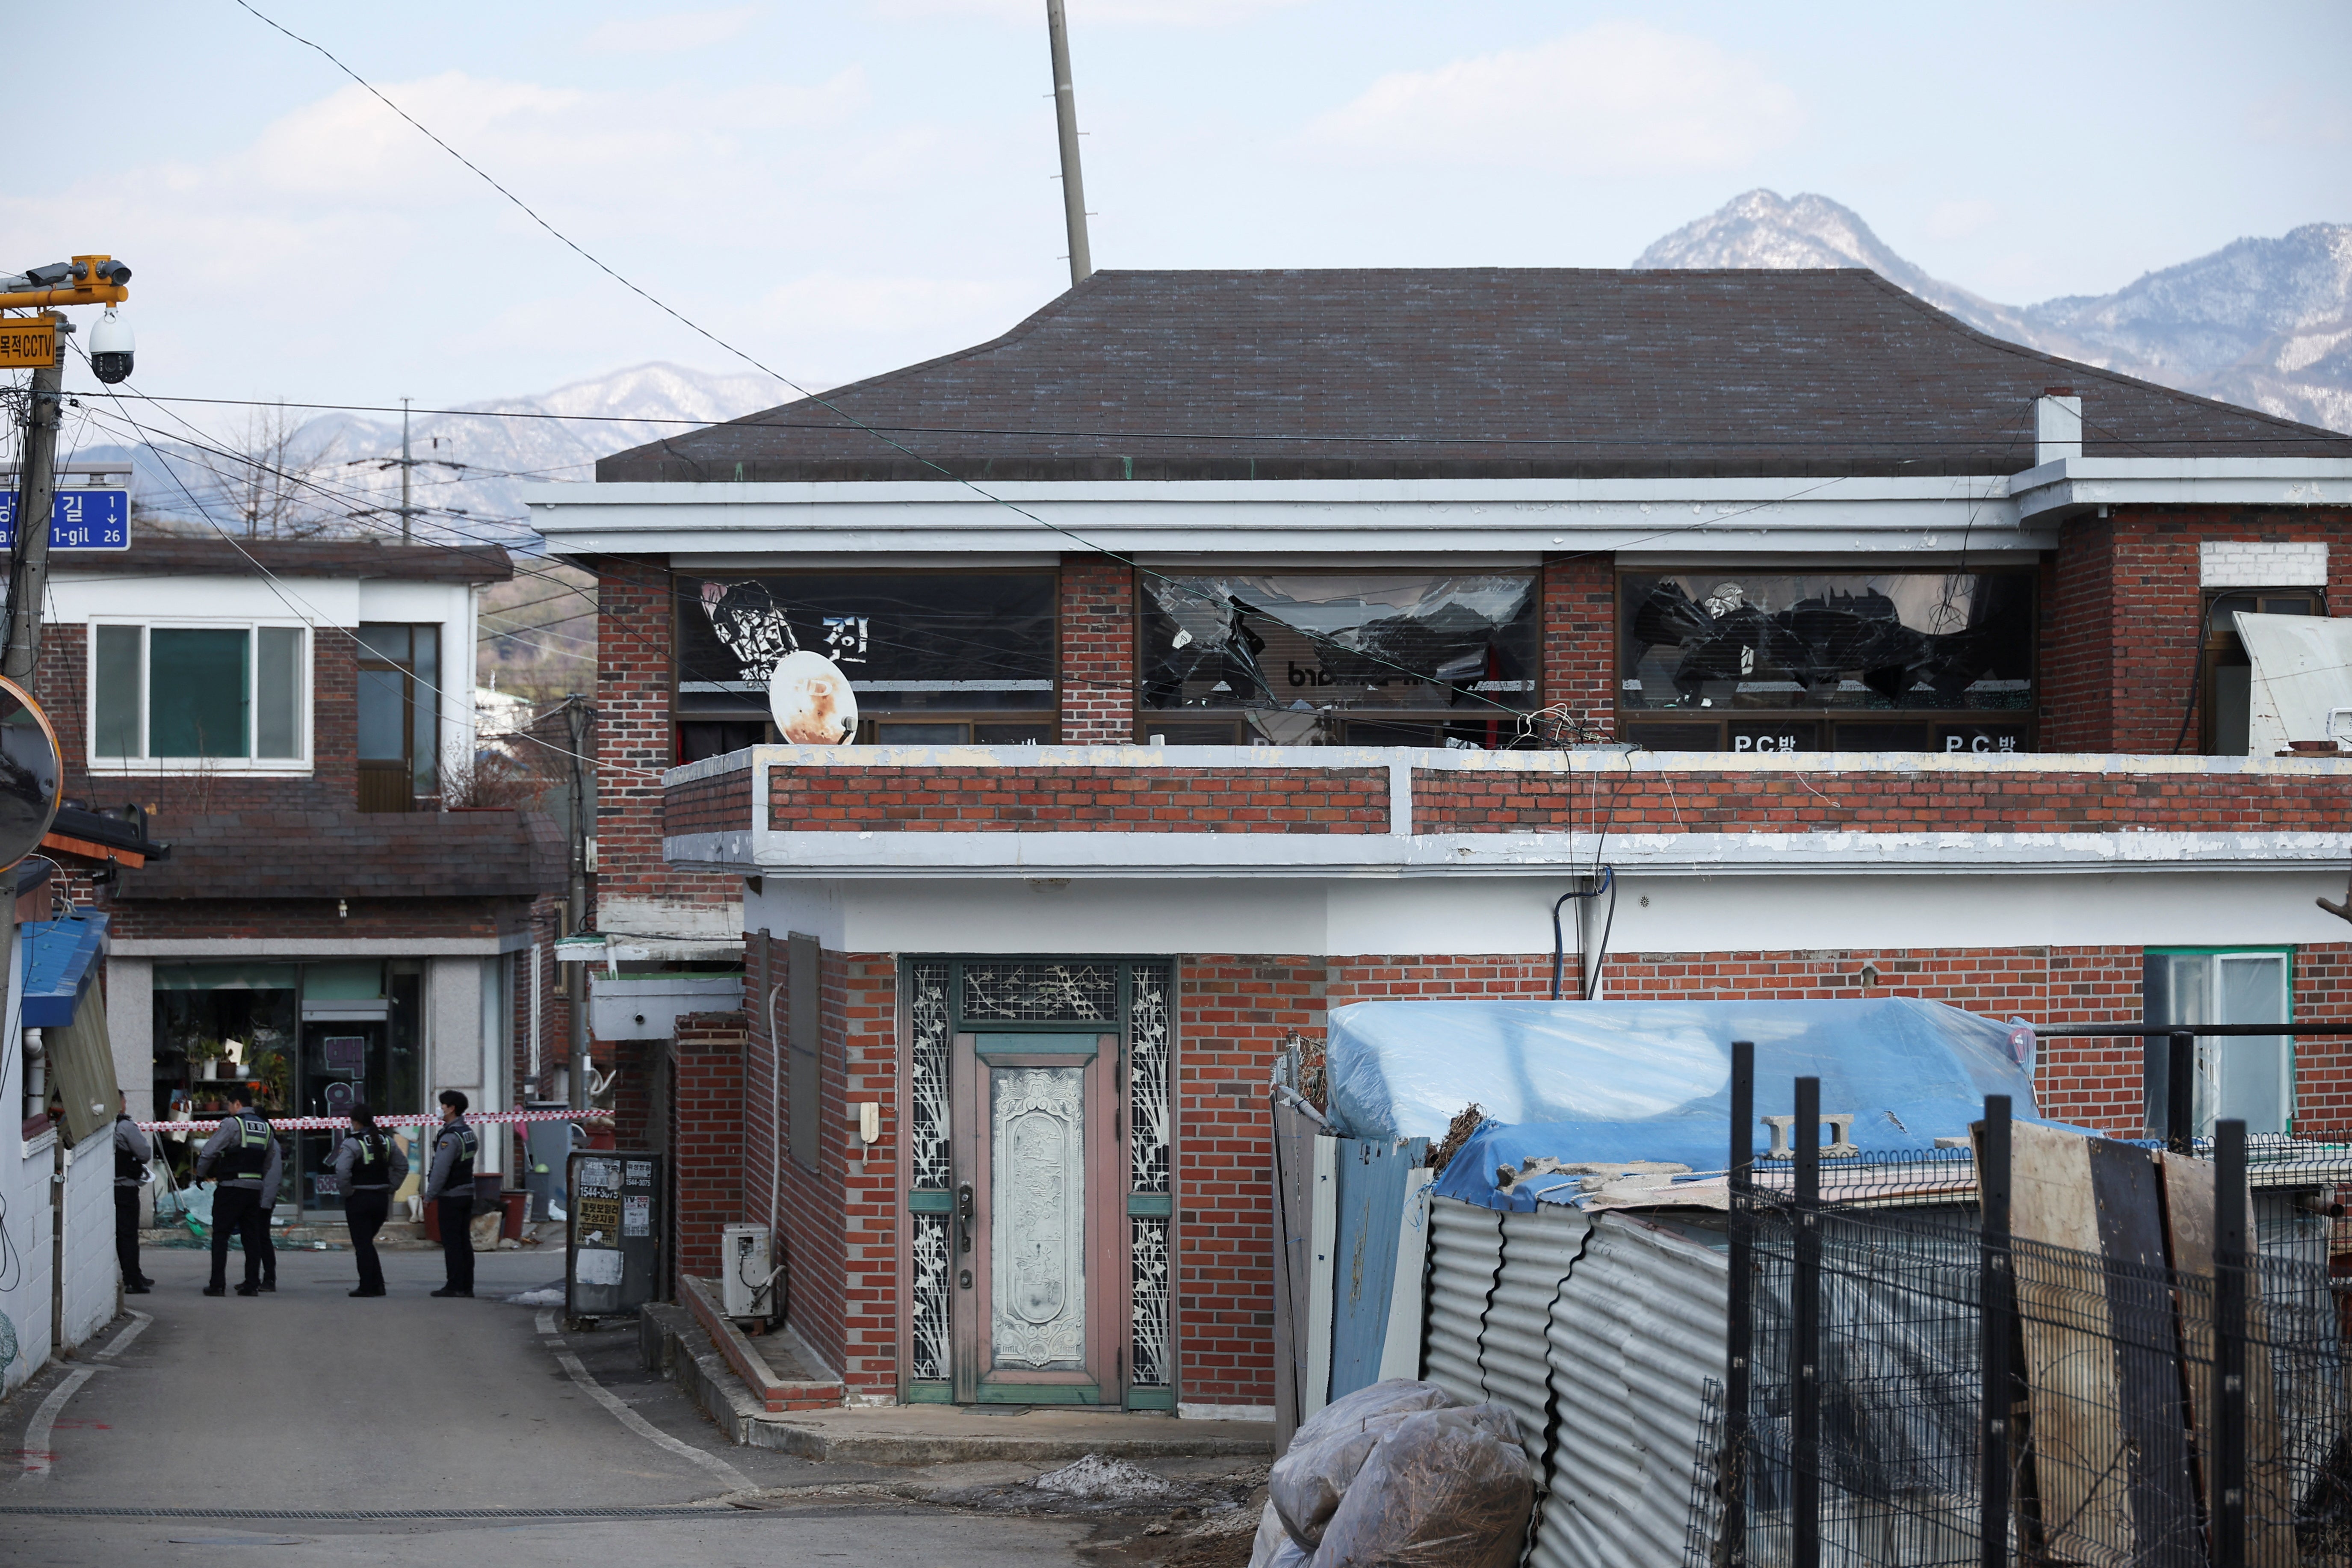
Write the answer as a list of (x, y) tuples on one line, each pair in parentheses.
[(341, 1123)]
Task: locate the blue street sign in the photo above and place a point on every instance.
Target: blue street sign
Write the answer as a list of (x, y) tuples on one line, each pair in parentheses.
[(79, 520)]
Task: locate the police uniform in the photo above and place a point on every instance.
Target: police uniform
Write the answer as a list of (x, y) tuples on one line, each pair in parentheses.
[(450, 1184), (131, 1153), (244, 1161), (368, 1165)]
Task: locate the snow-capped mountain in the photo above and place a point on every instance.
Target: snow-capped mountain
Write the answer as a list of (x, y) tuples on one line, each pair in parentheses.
[(2266, 324), (482, 454)]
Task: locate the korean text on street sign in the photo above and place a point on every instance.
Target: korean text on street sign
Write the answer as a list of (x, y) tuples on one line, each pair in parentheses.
[(27, 343), (85, 519)]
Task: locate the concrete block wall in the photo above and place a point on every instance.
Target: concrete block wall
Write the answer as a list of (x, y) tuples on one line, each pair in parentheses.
[(91, 1271)]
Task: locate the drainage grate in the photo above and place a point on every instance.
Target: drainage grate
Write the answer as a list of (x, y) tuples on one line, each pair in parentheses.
[(84, 1511)]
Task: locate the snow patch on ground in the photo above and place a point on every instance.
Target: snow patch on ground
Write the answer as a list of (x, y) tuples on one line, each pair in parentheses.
[(1099, 1479)]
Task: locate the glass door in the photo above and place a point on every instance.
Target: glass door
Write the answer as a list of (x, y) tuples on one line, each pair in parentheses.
[(344, 1062), (2248, 1076)]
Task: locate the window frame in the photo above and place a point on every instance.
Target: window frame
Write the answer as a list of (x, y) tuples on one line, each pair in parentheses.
[(874, 708), (2219, 647), (147, 766), (1148, 721), (2290, 1054), (1827, 721)]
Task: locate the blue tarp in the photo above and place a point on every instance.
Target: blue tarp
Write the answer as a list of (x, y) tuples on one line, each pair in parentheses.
[(1651, 1081), (60, 960)]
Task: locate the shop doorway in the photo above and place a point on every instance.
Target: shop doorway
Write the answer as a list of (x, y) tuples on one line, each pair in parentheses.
[(1040, 1182), (345, 1061)]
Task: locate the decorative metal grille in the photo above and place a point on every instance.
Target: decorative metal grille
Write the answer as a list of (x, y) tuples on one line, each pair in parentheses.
[(933, 1357), (927, 1140), (1040, 993), (1146, 1079), (1148, 1315)]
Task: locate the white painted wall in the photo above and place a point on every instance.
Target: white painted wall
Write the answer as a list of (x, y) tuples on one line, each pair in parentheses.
[(92, 1272), (458, 1049), (1472, 915)]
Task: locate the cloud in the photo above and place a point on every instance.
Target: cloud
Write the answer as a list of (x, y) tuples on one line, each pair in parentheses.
[(1085, 13), (670, 34), (1959, 219), (1614, 100)]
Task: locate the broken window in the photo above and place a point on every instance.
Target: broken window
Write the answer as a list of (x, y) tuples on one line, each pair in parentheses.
[(934, 658), (2226, 673), (1847, 661), (1354, 659)]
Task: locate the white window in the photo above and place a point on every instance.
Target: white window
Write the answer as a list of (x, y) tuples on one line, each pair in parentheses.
[(2247, 1077), (199, 695)]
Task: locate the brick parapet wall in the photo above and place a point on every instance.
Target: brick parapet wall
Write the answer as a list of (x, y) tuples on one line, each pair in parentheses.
[(720, 803), (1580, 642), (1078, 800), (2120, 669), (1699, 800), (1098, 650)]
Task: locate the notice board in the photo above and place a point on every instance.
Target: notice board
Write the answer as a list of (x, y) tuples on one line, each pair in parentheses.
[(612, 1234)]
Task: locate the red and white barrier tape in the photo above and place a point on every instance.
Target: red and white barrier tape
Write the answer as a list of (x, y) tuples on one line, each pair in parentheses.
[(342, 1123)]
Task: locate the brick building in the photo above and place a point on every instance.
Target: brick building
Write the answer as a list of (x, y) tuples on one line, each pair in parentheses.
[(1232, 647), (339, 916)]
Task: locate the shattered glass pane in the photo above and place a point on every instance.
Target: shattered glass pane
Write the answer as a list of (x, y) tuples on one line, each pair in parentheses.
[(1923, 640), (1040, 993), (947, 640), (1294, 645)]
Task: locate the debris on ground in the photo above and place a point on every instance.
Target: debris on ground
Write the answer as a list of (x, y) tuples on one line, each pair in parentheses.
[(1466, 1120), (1098, 1479)]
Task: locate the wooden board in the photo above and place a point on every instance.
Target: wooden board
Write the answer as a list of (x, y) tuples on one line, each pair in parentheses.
[(2188, 1210), (2070, 1366), (2151, 1416)]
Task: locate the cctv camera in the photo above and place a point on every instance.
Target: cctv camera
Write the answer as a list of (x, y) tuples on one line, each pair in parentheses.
[(51, 276), (109, 349), (115, 272)]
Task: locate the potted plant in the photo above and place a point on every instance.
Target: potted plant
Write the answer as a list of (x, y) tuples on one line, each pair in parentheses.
[(204, 1053)]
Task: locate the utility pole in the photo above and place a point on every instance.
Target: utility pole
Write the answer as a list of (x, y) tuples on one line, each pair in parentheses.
[(407, 463), (29, 561), (407, 466), (577, 715), (1065, 120)]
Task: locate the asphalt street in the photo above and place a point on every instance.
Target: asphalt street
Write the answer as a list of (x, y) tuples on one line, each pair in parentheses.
[(316, 1404)]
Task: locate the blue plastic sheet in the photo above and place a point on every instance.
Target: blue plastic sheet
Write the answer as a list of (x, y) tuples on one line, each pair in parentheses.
[(1652, 1080)]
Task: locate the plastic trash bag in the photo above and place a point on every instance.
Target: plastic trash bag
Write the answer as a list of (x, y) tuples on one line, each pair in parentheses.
[(1443, 1489), (196, 1208), (1330, 1445), (1273, 1547)]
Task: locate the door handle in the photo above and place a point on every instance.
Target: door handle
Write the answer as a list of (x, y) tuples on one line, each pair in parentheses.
[(964, 1217)]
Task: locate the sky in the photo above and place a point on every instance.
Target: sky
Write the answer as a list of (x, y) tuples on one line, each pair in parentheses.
[(840, 188)]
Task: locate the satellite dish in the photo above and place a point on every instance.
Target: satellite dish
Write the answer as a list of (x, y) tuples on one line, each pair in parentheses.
[(31, 774), (811, 700)]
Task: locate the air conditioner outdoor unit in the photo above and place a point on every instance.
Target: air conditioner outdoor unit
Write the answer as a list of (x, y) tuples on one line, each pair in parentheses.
[(747, 1274)]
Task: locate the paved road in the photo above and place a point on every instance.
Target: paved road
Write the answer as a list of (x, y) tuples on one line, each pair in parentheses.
[(308, 1400)]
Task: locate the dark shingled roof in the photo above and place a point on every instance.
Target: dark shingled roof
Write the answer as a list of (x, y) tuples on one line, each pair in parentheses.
[(199, 555), (1415, 374), (355, 854)]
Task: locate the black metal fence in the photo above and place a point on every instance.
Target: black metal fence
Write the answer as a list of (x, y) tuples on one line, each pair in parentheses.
[(1909, 1383)]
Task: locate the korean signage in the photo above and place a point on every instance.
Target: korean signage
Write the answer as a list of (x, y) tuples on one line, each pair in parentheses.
[(80, 519), (27, 343)]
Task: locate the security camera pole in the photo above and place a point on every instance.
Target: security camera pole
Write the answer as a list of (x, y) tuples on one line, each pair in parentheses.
[(1065, 121), (37, 342)]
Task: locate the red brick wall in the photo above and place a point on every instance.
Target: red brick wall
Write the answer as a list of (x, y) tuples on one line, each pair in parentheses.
[(1699, 800), (2323, 1067), (1098, 650), (1078, 800), (707, 1157), (1580, 641), (2121, 666), (718, 804), (636, 655)]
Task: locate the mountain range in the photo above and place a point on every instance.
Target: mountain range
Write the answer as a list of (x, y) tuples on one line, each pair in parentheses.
[(2264, 323)]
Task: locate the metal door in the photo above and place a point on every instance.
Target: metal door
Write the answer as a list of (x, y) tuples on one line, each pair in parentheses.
[(1038, 1225)]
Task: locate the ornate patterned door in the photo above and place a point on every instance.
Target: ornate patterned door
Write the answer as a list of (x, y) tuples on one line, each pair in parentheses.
[(1038, 1173), (1036, 1135)]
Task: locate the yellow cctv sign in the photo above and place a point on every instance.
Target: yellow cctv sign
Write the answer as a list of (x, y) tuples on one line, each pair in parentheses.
[(27, 343)]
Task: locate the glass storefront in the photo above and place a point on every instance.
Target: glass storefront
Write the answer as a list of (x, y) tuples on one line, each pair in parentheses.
[(306, 1039)]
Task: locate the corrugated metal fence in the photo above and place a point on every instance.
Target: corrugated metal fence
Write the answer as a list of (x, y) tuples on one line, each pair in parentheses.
[(1598, 1335)]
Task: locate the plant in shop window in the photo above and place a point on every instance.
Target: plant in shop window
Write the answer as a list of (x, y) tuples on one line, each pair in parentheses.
[(204, 1053)]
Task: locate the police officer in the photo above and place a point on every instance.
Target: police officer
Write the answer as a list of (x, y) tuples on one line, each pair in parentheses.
[(450, 1184), (243, 1161), (368, 1165), (131, 1154)]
